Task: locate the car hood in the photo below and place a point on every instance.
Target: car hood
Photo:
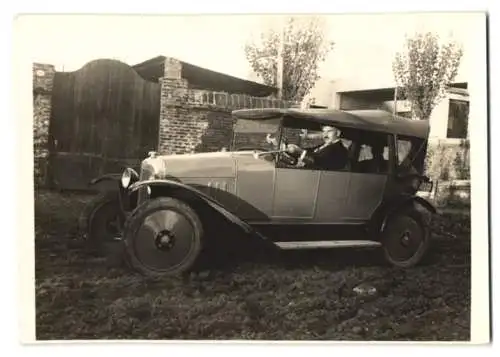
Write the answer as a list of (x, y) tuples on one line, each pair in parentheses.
[(198, 165)]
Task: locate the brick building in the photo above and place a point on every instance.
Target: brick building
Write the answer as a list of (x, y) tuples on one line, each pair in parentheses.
[(196, 105)]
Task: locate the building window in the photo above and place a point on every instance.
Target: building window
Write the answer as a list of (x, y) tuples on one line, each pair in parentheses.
[(458, 117)]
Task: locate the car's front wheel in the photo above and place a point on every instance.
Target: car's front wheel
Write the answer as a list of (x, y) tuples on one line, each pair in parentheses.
[(405, 239), (163, 237)]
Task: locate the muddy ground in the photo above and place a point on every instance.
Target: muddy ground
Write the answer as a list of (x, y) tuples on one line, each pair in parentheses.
[(292, 296)]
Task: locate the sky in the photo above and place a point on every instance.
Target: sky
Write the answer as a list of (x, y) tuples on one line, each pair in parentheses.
[(364, 44)]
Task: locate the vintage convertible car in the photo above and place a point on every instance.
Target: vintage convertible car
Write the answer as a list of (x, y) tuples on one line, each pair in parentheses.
[(165, 214)]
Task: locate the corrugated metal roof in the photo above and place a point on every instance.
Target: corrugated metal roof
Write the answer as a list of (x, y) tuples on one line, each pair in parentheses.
[(203, 78)]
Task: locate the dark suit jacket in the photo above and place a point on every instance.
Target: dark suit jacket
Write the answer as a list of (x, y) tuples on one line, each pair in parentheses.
[(332, 157)]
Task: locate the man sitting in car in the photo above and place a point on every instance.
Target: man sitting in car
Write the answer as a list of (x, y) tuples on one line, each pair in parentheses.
[(331, 155)]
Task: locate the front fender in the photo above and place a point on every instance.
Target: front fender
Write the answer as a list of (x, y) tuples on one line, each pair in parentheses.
[(127, 202), (201, 195), (106, 177)]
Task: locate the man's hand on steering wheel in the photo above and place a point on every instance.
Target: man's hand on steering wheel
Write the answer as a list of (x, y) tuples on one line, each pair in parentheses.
[(292, 153), (288, 158)]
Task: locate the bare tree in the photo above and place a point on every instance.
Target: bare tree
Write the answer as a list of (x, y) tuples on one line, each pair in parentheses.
[(424, 70), (304, 47)]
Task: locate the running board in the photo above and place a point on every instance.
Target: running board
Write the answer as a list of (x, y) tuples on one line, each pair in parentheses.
[(328, 244)]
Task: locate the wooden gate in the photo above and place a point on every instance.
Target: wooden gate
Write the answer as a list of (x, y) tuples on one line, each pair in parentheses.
[(104, 117)]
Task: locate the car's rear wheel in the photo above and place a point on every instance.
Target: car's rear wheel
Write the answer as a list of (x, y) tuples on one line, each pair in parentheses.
[(405, 239), (163, 237)]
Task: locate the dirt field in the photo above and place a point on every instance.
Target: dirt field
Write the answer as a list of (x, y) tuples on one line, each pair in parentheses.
[(292, 296)]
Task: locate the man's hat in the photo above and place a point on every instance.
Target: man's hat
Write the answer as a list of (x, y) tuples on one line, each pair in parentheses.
[(329, 128)]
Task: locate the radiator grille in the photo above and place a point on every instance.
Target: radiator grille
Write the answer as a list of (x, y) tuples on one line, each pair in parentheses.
[(145, 174)]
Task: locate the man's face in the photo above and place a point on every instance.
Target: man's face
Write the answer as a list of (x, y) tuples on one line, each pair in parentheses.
[(330, 134)]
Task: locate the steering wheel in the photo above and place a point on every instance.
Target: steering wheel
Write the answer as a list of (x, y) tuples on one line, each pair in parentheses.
[(287, 159)]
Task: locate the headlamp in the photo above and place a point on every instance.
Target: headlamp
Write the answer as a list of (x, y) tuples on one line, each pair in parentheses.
[(128, 176)]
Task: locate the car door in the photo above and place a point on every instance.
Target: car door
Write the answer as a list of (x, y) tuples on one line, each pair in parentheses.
[(332, 197), (317, 196), (295, 193), (333, 192), (368, 178)]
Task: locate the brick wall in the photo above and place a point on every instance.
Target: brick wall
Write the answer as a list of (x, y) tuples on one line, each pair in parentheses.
[(43, 80), (194, 120)]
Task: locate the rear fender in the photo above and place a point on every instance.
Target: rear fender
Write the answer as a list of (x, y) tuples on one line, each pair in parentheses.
[(426, 204), (388, 208), (404, 202), (191, 192)]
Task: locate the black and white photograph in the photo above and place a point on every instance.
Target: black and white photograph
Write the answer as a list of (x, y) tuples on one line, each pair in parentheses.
[(257, 177)]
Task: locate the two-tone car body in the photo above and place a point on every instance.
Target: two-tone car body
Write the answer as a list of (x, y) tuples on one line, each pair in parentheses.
[(168, 211)]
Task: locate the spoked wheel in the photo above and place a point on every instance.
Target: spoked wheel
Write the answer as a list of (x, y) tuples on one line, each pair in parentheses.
[(405, 240), (101, 221), (163, 237)]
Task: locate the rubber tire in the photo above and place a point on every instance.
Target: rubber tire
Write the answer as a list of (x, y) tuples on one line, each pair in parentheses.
[(103, 201), (408, 215), (134, 222)]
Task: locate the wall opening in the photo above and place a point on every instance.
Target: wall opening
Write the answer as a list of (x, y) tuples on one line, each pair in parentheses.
[(458, 117)]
